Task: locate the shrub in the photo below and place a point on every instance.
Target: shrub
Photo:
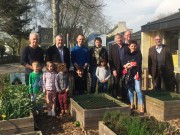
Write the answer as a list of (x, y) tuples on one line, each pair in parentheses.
[(15, 102), (123, 124)]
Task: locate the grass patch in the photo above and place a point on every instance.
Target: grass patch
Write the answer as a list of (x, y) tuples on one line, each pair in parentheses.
[(94, 101), (164, 95)]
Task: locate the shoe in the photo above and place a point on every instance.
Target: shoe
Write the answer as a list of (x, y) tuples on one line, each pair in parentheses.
[(62, 113), (142, 109), (66, 111), (132, 107), (49, 113), (32, 99), (53, 113)]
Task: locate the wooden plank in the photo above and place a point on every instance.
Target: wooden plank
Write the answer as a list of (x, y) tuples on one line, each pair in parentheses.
[(17, 131), (31, 133), (104, 130), (17, 123), (100, 112)]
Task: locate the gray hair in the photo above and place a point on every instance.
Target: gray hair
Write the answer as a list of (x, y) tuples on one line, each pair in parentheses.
[(32, 34), (118, 34), (158, 35), (127, 31), (59, 35)]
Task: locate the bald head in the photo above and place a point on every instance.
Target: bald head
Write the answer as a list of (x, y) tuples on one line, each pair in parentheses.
[(127, 36), (80, 40)]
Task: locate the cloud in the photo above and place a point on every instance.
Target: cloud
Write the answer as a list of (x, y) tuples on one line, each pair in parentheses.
[(166, 8), (138, 12)]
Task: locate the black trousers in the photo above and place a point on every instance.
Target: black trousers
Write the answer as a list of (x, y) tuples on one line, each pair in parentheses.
[(162, 78), (119, 89)]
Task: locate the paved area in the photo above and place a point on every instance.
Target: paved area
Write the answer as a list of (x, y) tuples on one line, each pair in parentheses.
[(10, 68)]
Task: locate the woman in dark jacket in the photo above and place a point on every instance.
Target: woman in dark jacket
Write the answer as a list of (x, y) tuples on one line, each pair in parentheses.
[(96, 53), (133, 72)]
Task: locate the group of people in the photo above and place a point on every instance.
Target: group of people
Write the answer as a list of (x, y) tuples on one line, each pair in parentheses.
[(123, 62)]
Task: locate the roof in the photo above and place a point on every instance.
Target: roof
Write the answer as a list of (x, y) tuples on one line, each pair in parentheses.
[(112, 30), (170, 21)]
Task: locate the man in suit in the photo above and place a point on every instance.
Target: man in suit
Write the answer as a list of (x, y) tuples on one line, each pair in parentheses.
[(127, 37), (116, 55), (160, 65), (58, 53)]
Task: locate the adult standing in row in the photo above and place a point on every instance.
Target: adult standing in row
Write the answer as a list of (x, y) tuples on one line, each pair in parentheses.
[(96, 53), (127, 40), (127, 37), (31, 53), (133, 67), (160, 65), (58, 53), (80, 58), (116, 56)]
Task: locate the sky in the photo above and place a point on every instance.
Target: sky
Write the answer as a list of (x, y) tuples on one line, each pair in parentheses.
[(138, 12)]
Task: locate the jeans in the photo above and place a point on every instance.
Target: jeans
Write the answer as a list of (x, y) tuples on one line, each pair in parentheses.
[(137, 87), (102, 87), (93, 80)]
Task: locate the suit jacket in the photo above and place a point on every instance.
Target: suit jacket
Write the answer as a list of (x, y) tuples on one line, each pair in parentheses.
[(52, 54), (114, 58), (152, 61)]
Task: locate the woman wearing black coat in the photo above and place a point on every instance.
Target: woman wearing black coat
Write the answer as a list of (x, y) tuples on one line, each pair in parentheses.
[(132, 73), (96, 53)]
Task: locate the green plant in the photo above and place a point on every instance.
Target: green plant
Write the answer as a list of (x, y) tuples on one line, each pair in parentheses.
[(77, 123), (123, 124), (15, 102)]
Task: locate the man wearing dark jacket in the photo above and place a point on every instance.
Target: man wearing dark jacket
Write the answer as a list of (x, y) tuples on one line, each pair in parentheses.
[(116, 56), (160, 65), (58, 53)]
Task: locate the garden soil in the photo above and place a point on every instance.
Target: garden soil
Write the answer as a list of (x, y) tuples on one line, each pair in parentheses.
[(59, 125)]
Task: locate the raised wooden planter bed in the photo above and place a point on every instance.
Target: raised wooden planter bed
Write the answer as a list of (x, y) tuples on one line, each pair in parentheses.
[(104, 130), (31, 133), (16, 126), (163, 107), (90, 114)]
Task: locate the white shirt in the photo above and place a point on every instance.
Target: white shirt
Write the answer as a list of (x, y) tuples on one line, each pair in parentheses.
[(159, 48)]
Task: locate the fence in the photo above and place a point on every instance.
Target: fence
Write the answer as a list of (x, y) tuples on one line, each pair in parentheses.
[(9, 59)]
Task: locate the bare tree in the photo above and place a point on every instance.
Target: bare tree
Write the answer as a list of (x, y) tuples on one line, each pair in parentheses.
[(70, 16)]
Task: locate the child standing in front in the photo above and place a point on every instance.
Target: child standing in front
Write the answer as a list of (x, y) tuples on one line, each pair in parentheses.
[(103, 73), (79, 88), (50, 88), (62, 86), (35, 80)]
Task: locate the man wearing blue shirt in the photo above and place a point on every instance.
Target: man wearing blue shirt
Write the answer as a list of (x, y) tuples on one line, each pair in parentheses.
[(80, 58)]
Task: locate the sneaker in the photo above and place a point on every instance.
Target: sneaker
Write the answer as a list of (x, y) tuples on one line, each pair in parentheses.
[(62, 113), (53, 113), (49, 113), (32, 98), (66, 111)]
